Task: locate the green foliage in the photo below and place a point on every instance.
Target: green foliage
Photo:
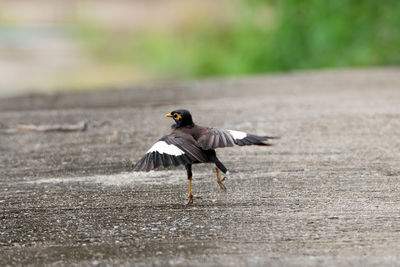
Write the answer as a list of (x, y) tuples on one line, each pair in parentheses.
[(295, 34), (317, 34)]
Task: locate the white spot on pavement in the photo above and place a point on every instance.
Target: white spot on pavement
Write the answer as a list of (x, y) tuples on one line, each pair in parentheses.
[(158, 177)]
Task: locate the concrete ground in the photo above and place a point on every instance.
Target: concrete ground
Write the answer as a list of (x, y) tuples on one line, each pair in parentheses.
[(326, 194)]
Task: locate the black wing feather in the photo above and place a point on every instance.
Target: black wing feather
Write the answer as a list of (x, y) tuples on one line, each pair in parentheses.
[(213, 138), (184, 151)]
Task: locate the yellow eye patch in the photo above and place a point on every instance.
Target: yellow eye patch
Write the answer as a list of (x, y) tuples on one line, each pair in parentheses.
[(177, 116)]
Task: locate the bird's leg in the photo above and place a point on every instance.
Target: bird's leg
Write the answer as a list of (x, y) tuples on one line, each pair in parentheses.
[(220, 180), (189, 175), (220, 166), (190, 200)]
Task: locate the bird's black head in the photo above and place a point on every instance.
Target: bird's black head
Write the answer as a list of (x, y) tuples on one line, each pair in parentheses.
[(182, 118)]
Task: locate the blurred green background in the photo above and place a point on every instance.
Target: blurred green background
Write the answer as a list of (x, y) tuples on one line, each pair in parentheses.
[(112, 43)]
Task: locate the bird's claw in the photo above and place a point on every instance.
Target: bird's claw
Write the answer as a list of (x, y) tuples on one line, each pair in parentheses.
[(221, 185), (190, 200)]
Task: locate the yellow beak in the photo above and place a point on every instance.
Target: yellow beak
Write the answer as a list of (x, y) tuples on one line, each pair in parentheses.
[(169, 115)]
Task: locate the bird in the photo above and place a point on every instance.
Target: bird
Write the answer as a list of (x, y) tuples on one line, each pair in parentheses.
[(189, 144)]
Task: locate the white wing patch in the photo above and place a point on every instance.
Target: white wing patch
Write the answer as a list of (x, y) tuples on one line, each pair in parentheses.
[(237, 134), (162, 147)]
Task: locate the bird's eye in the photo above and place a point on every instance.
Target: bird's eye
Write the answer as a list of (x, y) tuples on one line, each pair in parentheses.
[(175, 116)]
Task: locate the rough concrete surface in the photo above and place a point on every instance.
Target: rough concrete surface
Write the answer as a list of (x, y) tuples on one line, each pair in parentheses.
[(326, 194)]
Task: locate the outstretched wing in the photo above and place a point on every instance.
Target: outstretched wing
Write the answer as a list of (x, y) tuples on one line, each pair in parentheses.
[(214, 138), (171, 150)]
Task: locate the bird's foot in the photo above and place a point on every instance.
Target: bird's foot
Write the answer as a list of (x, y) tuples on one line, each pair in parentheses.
[(190, 200), (221, 185)]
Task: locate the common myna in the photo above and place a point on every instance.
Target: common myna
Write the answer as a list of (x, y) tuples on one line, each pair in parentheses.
[(189, 143)]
